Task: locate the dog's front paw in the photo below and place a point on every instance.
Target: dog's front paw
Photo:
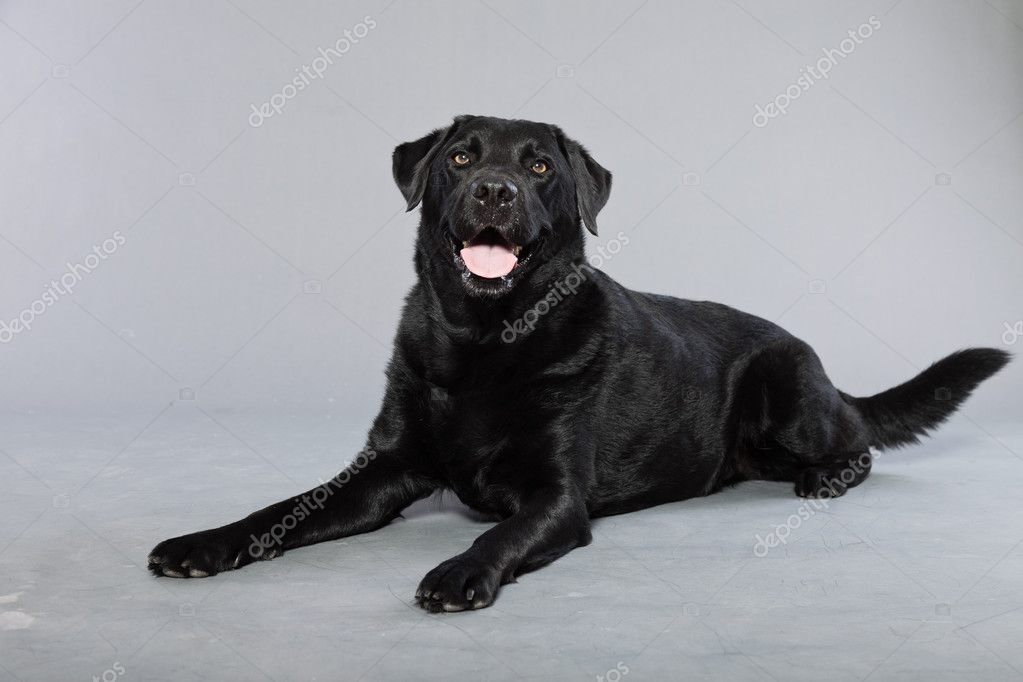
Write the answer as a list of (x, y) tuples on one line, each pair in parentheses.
[(459, 584), (203, 554)]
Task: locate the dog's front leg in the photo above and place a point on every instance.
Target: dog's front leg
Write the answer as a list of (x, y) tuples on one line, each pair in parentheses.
[(368, 494), (547, 525)]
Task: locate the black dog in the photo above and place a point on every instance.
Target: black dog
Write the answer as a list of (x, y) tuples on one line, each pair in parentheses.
[(544, 394)]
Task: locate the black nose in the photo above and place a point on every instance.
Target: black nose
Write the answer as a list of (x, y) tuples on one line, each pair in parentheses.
[(493, 192)]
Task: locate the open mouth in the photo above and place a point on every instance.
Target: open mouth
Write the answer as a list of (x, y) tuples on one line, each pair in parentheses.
[(491, 256)]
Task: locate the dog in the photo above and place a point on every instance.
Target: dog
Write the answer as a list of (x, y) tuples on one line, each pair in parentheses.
[(544, 394)]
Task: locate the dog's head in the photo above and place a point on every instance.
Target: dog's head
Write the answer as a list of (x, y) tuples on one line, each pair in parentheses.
[(501, 199)]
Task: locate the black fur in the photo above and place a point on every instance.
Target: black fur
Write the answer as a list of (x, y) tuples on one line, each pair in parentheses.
[(610, 401), (900, 415)]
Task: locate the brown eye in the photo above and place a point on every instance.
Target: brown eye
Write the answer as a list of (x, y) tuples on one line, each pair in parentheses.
[(461, 159), (538, 167)]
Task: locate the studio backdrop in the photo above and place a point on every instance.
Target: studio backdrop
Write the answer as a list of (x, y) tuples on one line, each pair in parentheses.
[(196, 200), (203, 259)]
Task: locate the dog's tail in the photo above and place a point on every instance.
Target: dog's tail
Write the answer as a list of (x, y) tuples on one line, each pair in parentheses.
[(900, 415)]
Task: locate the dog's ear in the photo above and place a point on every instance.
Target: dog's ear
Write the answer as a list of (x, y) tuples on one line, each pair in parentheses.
[(592, 181), (410, 162)]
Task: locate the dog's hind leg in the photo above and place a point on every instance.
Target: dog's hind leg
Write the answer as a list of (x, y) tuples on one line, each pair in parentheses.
[(835, 478), (794, 425)]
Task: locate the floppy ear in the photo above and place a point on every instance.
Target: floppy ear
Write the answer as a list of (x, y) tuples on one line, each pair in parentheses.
[(592, 181), (410, 162)]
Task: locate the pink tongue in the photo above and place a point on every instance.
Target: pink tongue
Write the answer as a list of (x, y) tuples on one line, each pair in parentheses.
[(489, 260)]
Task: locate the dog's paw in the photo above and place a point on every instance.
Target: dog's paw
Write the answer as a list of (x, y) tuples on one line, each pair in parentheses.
[(459, 584), (203, 554), (819, 483)]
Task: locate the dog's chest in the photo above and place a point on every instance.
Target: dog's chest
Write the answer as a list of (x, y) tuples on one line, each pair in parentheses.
[(478, 443), (475, 425)]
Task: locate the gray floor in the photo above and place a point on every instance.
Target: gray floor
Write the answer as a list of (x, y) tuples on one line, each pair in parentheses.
[(915, 575)]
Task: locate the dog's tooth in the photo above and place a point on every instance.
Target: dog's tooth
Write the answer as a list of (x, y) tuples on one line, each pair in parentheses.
[(465, 244), (517, 250)]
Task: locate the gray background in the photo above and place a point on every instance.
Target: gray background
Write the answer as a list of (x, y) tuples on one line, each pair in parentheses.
[(232, 350)]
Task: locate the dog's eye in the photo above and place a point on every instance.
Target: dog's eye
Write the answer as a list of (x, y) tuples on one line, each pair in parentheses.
[(461, 159), (538, 167)]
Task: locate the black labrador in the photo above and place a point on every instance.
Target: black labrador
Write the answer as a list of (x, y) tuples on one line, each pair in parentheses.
[(545, 394)]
